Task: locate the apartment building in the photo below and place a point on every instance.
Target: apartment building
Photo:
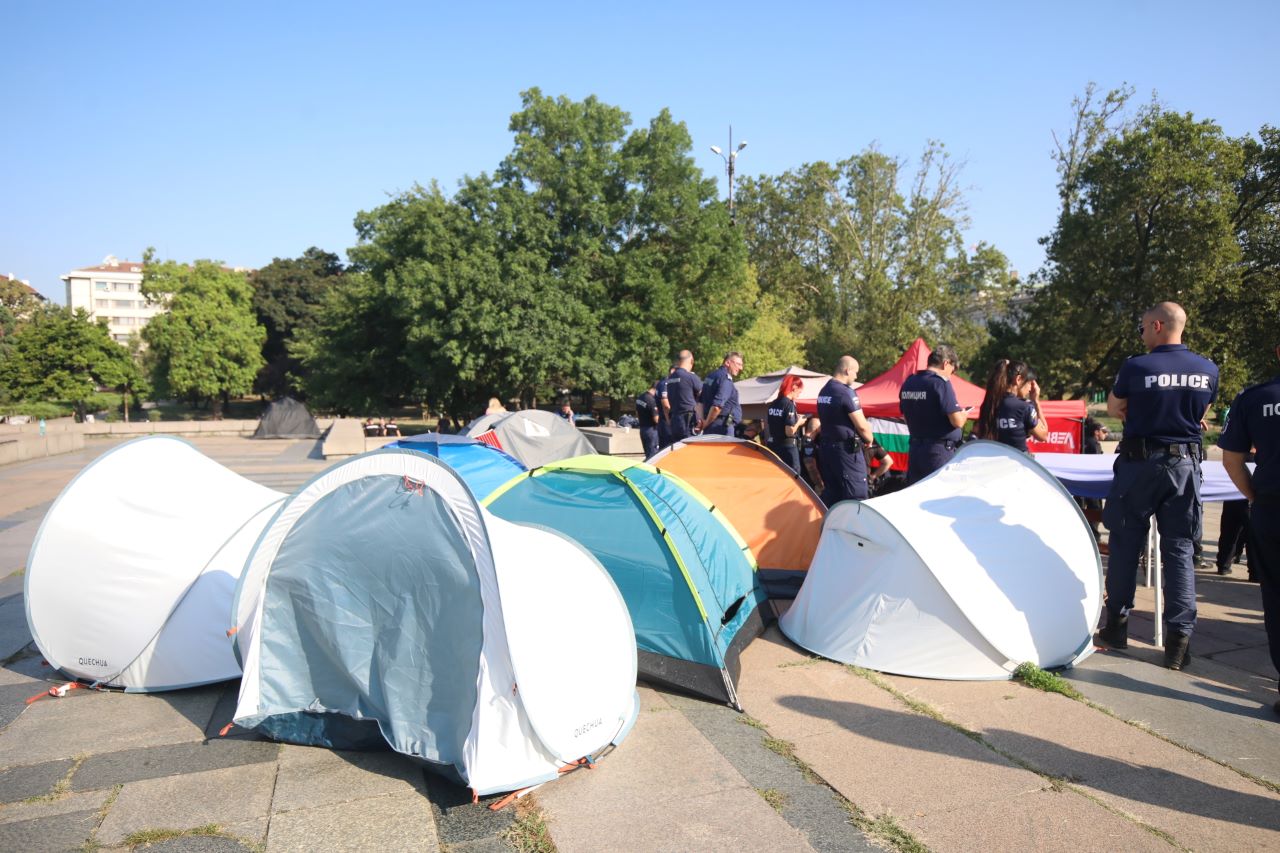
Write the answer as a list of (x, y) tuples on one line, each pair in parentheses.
[(112, 290)]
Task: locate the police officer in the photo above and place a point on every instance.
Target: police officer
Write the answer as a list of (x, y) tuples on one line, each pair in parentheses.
[(1255, 422), (664, 410), (720, 397), (1162, 397), (933, 414), (647, 415), (785, 422), (683, 390), (845, 432)]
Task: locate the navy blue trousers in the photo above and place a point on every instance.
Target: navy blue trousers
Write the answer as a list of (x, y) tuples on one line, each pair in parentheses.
[(1264, 559), (789, 454), (1166, 487), (925, 457), (844, 474), (664, 434), (649, 440), (682, 425)]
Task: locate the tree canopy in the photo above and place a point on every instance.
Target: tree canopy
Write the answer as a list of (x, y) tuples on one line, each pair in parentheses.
[(207, 344), (865, 255), (62, 355), (587, 257), (1163, 206), (287, 296)]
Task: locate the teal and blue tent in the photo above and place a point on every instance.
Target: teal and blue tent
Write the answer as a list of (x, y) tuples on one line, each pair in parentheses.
[(481, 466), (688, 578)]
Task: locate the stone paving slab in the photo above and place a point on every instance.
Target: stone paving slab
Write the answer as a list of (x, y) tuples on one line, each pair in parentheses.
[(48, 807), (665, 788), (312, 776), (1198, 707), (34, 780), (154, 762), (199, 844), (220, 797), (388, 823), (88, 722), (1043, 821), (58, 832)]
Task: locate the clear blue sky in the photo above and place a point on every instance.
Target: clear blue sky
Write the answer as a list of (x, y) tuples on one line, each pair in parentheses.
[(247, 131)]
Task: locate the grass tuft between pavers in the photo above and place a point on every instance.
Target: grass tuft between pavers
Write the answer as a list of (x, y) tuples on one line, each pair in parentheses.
[(145, 837), (529, 833), (748, 720), (1050, 682), (775, 798)]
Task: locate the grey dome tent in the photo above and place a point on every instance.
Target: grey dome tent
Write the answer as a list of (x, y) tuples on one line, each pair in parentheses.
[(287, 418), (533, 436)]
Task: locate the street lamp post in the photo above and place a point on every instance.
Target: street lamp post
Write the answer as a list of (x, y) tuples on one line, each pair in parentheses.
[(728, 165)]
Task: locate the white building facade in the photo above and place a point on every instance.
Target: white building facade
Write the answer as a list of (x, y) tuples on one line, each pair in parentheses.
[(112, 291)]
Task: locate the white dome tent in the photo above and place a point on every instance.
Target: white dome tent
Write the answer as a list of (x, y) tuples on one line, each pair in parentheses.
[(984, 565), (383, 603), (132, 573)]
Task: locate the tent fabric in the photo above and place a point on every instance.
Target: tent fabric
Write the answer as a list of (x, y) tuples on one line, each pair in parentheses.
[(287, 418), (879, 397), (772, 507), (687, 577), (983, 565), (481, 466), (131, 575), (1066, 427), (755, 394), (383, 600), (533, 436), (1090, 475)]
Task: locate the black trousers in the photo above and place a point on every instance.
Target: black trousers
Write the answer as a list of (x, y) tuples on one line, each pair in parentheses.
[(1233, 532), (1264, 559)]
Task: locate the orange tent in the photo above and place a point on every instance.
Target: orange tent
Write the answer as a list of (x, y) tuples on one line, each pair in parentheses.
[(771, 507)]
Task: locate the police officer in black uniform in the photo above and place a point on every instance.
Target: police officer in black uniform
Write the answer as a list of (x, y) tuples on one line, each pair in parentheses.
[(933, 414), (1162, 397), (683, 390), (720, 397), (664, 410), (785, 422), (647, 414), (1255, 423), (845, 433)]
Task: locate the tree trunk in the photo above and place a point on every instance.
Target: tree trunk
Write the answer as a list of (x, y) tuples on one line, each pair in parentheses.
[(124, 405)]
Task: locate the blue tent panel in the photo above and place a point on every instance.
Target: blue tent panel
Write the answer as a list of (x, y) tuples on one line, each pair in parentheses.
[(482, 467)]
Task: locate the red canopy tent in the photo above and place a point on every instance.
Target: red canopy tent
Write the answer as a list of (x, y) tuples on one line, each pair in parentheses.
[(879, 397)]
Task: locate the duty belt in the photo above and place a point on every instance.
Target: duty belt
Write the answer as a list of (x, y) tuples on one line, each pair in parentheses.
[(1145, 448)]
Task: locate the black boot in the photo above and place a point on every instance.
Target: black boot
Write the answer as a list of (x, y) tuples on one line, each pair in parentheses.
[(1116, 634), (1177, 650)]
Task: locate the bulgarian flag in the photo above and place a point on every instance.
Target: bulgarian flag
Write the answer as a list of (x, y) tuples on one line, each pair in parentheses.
[(892, 435)]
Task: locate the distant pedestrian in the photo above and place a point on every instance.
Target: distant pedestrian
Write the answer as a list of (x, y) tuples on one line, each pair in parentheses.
[(784, 422), (664, 410), (1010, 410), (845, 434), (933, 414), (648, 419), (683, 389), (720, 397)]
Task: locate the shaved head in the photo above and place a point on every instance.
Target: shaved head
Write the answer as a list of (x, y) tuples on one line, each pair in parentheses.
[(1163, 324), (846, 369)]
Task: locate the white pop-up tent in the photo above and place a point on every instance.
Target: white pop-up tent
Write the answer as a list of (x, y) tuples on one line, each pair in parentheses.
[(384, 604), (131, 575), (983, 565)]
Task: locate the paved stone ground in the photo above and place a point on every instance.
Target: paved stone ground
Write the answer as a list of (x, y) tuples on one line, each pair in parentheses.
[(828, 758)]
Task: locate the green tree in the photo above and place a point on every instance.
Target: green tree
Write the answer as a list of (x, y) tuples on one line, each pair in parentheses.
[(587, 257), (769, 344), (866, 255), (287, 295), (1149, 217), (60, 355), (207, 344)]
